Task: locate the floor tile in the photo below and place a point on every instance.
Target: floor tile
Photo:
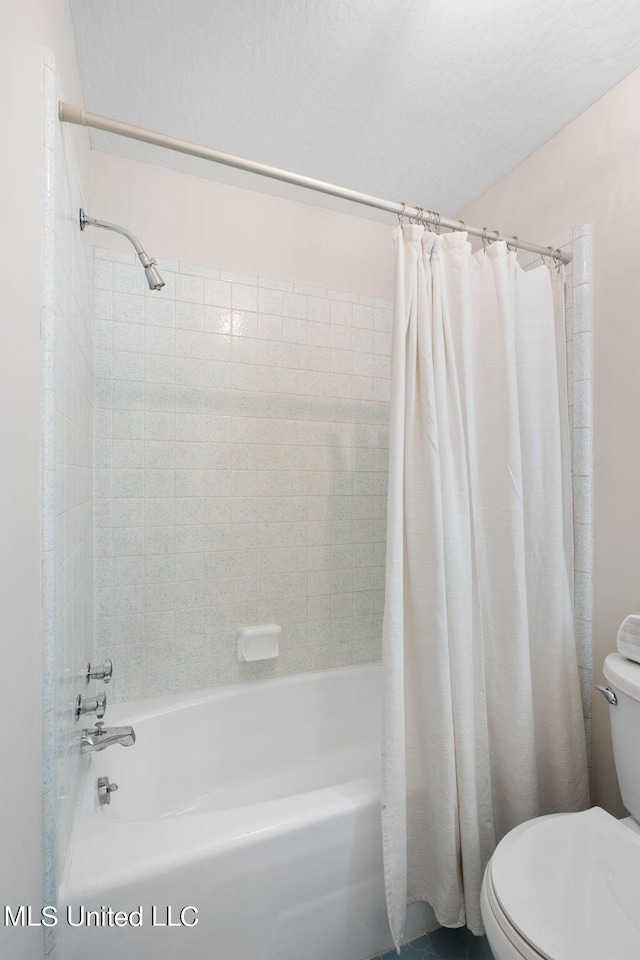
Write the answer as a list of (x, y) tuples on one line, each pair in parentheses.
[(444, 944)]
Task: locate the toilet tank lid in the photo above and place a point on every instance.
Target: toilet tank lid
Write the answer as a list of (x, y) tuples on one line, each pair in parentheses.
[(623, 674)]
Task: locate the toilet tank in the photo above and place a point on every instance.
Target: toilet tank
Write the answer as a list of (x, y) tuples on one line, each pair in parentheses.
[(623, 677)]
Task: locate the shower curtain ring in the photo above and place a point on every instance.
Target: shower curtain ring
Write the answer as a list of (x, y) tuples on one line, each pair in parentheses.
[(401, 215), (551, 255), (436, 225), (513, 246), (554, 254), (485, 239)]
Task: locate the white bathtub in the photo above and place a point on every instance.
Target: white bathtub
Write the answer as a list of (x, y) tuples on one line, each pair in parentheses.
[(257, 804)]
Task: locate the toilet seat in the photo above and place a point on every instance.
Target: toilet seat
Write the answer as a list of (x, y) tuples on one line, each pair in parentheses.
[(565, 887), (506, 943)]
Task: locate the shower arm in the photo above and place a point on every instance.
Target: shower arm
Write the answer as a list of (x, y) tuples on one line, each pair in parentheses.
[(86, 221), (154, 279)]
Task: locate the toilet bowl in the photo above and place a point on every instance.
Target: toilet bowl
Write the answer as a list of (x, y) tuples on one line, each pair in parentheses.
[(567, 886)]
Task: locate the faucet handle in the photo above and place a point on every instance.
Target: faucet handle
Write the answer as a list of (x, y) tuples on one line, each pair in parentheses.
[(105, 672), (98, 705)]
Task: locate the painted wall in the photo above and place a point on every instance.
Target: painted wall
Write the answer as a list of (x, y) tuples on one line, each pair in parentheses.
[(24, 28), (589, 172), (190, 219)]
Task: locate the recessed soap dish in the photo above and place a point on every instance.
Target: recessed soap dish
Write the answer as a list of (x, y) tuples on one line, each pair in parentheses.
[(258, 643)]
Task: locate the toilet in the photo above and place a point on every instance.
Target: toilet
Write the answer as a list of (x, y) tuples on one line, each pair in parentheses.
[(567, 886)]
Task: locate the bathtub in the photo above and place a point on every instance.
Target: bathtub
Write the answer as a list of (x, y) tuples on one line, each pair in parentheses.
[(257, 807)]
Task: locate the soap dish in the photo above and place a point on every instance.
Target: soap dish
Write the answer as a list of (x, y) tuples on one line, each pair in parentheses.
[(258, 643)]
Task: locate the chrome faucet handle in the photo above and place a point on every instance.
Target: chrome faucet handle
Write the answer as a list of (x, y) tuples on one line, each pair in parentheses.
[(105, 672), (98, 705)]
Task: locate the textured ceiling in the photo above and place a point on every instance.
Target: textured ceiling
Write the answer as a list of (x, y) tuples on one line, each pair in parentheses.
[(427, 101)]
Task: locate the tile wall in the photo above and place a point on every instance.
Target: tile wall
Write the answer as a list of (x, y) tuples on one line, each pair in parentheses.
[(67, 479), (241, 468), (579, 328)]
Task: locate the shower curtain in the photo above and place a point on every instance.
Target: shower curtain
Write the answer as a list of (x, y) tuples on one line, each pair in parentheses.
[(482, 720)]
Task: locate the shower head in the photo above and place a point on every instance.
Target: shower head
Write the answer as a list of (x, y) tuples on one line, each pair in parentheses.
[(154, 279)]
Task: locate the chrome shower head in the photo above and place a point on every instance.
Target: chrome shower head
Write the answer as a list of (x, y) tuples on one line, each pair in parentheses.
[(154, 279)]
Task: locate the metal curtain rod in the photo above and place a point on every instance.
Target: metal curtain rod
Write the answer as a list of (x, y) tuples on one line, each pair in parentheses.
[(70, 114)]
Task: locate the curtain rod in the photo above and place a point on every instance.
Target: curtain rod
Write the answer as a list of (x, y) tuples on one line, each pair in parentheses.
[(70, 114)]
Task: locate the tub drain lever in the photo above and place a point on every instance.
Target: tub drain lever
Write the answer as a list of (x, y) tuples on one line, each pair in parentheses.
[(105, 789)]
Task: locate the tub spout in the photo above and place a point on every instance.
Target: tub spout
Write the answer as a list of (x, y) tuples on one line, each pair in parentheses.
[(99, 739)]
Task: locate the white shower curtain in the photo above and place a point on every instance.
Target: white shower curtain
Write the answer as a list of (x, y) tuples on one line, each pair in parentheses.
[(483, 720)]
